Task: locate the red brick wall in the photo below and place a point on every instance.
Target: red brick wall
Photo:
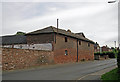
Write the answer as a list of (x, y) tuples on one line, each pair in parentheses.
[(59, 49), (40, 38), (85, 52), (0, 56), (60, 46), (60, 57), (23, 58)]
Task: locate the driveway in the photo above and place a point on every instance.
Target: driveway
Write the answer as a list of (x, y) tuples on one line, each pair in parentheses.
[(73, 71)]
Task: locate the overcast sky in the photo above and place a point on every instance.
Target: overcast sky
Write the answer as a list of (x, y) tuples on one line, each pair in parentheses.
[(97, 20)]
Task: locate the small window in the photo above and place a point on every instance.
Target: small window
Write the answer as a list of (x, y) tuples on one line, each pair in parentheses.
[(88, 44), (65, 39), (79, 42), (66, 52)]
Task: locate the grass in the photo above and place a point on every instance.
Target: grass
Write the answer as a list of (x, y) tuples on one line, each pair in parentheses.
[(112, 75)]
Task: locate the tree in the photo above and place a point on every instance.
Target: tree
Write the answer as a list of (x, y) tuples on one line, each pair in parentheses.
[(112, 48), (20, 33)]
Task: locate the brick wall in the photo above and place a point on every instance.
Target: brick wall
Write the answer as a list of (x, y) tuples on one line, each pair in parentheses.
[(84, 52), (24, 58), (59, 49), (40, 38), (0, 59), (59, 46)]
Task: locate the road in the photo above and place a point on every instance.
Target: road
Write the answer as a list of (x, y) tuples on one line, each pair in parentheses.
[(72, 71)]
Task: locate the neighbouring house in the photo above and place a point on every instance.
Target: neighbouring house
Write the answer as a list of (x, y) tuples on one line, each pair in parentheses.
[(96, 50), (67, 46), (101, 54), (105, 48), (96, 47)]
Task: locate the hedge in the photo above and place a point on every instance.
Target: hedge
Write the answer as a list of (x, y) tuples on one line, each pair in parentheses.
[(111, 54)]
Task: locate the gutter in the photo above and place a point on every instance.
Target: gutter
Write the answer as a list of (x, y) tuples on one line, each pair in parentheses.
[(77, 50)]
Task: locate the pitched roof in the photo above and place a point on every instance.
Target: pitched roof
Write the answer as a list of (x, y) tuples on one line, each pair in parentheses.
[(52, 29), (81, 34), (13, 39)]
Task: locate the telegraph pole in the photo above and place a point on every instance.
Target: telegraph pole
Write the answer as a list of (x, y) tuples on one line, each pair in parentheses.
[(57, 24), (112, 1), (115, 43)]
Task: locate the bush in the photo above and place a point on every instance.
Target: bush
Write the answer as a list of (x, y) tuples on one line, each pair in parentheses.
[(97, 53), (111, 54)]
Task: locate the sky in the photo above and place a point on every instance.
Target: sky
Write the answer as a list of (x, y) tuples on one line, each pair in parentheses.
[(97, 20)]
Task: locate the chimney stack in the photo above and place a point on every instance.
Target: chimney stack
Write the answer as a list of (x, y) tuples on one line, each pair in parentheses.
[(57, 25)]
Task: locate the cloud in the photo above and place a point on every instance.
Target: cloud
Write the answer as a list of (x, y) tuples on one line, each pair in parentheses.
[(97, 20), (55, 0), (1, 19)]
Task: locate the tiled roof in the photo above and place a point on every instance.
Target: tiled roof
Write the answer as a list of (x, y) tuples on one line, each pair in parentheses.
[(52, 29), (13, 39)]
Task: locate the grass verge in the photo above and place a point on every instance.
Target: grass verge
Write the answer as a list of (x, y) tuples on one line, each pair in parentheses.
[(112, 75)]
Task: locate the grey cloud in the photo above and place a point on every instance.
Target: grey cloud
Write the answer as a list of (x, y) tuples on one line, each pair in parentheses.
[(96, 20)]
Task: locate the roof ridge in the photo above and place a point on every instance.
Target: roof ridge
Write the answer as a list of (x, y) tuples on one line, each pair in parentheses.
[(41, 29), (52, 29), (11, 35)]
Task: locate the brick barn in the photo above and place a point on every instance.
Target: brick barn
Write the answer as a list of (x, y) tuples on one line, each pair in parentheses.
[(67, 46)]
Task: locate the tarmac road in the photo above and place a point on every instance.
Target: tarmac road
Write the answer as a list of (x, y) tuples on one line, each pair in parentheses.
[(72, 71)]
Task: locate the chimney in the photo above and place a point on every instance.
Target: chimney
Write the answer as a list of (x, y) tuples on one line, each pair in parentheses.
[(57, 25)]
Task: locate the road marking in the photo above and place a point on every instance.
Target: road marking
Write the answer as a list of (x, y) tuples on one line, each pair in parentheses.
[(83, 76), (101, 72)]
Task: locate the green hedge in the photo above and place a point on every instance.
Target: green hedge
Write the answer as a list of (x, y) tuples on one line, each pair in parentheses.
[(97, 53), (111, 54)]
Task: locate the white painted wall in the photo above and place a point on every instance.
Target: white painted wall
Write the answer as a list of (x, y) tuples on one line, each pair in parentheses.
[(45, 46)]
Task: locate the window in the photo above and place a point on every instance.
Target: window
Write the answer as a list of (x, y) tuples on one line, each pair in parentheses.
[(79, 42), (88, 44), (65, 39), (66, 52)]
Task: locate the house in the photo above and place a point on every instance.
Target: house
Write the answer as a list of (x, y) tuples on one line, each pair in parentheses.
[(96, 47), (67, 46), (102, 55), (106, 48)]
